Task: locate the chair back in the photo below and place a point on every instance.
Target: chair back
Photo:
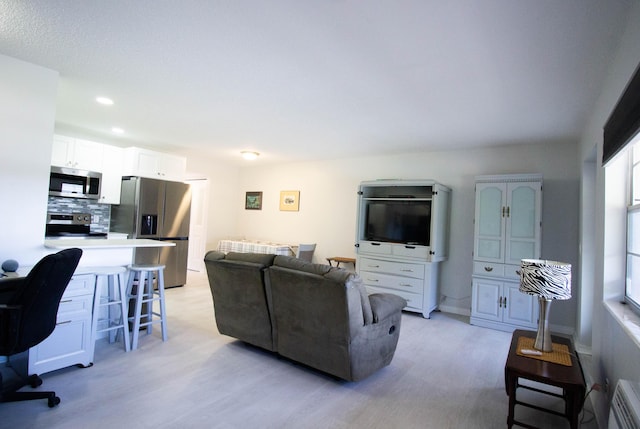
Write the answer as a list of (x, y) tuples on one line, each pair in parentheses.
[(240, 302), (305, 251), (39, 296)]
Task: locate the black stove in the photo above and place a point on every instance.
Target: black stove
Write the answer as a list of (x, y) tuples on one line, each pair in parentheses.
[(71, 225)]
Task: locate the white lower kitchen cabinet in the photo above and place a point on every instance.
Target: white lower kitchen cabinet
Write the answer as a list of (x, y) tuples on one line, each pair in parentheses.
[(500, 305), (71, 342)]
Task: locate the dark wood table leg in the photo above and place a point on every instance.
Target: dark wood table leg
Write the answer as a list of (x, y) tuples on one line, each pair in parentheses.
[(573, 404), (511, 385)]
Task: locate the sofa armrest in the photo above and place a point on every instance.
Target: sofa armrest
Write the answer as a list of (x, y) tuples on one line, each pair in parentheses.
[(384, 305), (213, 255)]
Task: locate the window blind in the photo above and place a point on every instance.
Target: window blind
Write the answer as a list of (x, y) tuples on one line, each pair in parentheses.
[(624, 122)]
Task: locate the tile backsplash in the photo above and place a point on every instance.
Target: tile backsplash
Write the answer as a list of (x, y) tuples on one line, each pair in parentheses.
[(100, 213)]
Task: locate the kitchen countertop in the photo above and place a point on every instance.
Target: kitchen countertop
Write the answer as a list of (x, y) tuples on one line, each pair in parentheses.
[(109, 243)]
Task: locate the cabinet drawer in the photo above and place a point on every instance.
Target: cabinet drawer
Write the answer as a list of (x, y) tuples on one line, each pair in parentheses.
[(410, 251), (390, 281), (67, 345), (82, 284), (512, 271), (375, 247), (488, 269), (390, 267), (414, 301), (74, 307)]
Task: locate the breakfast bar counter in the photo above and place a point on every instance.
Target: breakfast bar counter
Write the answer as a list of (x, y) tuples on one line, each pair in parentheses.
[(110, 243), (105, 252), (82, 314)]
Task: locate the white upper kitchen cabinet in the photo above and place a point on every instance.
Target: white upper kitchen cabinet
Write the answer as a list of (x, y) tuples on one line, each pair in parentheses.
[(111, 175), (155, 165), (76, 153)]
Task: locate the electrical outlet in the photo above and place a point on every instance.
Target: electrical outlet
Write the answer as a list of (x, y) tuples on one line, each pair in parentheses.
[(606, 385)]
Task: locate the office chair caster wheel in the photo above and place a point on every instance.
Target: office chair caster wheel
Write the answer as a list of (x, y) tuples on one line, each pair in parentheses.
[(34, 381), (54, 401)]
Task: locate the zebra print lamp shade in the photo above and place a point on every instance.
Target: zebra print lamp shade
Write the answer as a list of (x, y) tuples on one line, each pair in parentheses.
[(547, 279)]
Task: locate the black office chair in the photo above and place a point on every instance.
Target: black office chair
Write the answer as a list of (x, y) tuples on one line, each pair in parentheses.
[(28, 311)]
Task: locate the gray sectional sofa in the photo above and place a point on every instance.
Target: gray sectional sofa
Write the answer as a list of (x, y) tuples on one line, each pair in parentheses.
[(317, 315)]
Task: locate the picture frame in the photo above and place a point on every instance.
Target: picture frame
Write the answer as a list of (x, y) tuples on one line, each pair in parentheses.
[(253, 201), (290, 201)]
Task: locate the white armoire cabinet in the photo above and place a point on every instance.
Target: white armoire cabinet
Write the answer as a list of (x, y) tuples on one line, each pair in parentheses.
[(402, 236), (507, 229)]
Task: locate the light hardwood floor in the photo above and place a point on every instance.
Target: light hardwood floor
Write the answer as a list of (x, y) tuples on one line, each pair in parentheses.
[(445, 374)]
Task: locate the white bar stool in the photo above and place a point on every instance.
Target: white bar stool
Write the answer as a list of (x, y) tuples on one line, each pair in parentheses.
[(140, 289), (115, 302)]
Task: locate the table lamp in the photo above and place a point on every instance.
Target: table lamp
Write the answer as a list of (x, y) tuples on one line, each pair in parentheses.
[(549, 280)]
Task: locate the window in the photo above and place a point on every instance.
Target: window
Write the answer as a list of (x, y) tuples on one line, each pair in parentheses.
[(632, 289)]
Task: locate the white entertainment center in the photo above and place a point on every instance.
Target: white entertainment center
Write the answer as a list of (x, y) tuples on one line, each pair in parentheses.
[(402, 236)]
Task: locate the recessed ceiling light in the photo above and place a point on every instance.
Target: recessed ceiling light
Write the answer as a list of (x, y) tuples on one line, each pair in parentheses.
[(117, 130), (249, 155), (104, 100)]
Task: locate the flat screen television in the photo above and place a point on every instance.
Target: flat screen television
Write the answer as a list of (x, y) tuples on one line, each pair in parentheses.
[(407, 222)]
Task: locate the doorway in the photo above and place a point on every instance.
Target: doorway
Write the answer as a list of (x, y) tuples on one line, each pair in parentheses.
[(198, 224)]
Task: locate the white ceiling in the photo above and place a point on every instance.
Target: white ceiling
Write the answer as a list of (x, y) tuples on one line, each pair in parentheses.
[(313, 79)]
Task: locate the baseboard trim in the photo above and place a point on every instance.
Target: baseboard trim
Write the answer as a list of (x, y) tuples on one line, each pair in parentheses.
[(454, 310)]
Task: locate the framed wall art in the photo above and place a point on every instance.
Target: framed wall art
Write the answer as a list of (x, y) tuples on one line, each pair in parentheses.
[(290, 201), (253, 201)]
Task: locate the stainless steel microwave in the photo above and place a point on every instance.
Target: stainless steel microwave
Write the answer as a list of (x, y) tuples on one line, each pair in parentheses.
[(74, 183)]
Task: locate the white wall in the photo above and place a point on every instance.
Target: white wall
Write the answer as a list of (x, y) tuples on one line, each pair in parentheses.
[(615, 354), (27, 109), (328, 205)]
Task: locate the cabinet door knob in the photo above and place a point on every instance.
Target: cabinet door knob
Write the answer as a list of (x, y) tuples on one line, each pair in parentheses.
[(500, 302), (488, 269)]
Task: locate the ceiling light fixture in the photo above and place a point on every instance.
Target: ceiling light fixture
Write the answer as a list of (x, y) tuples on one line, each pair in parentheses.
[(104, 100), (249, 155)]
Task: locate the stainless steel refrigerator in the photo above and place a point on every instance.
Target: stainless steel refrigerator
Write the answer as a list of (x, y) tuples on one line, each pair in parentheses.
[(157, 209)]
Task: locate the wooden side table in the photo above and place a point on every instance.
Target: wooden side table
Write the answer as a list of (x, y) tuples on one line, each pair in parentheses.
[(342, 259), (568, 378)]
